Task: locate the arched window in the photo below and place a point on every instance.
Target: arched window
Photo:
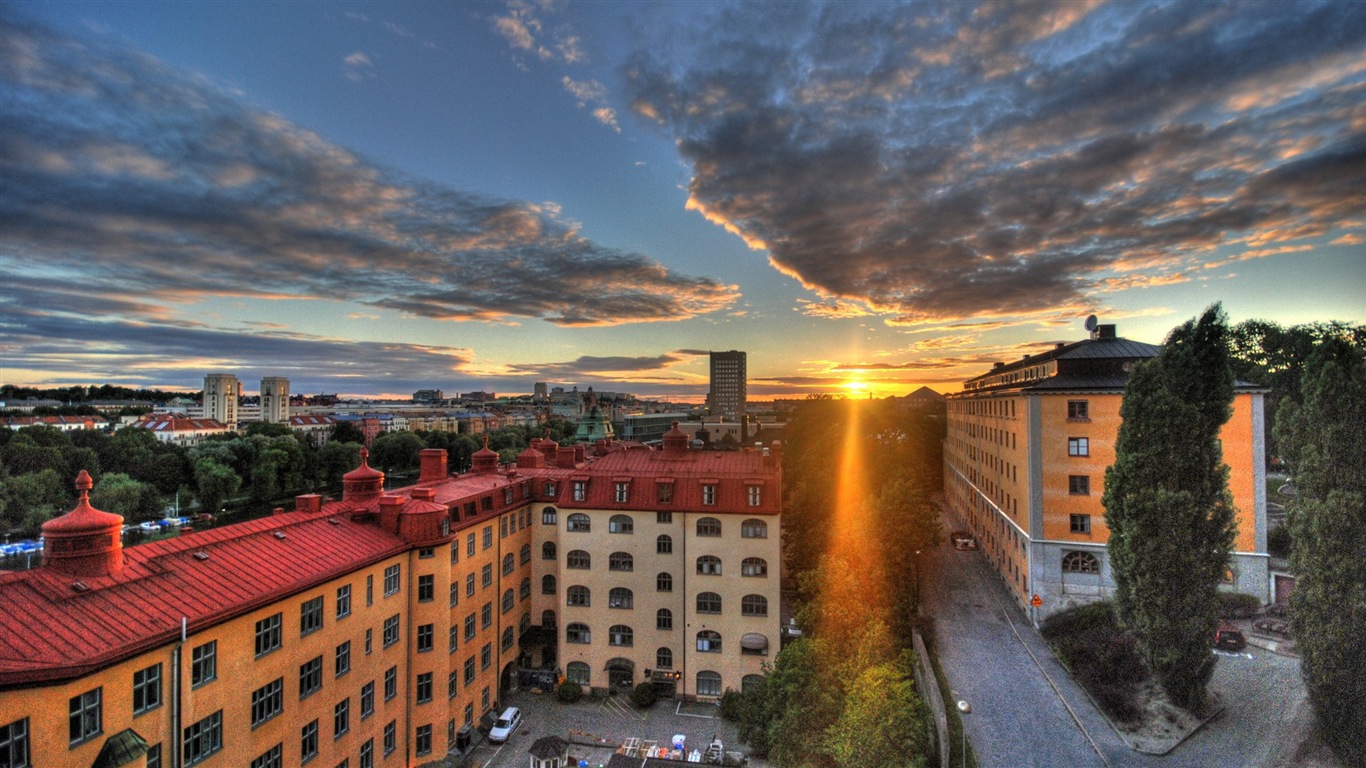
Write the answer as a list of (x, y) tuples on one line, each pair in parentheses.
[(754, 528), (708, 683), (548, 515), (620, 597), (754, 566), (508, 638), (664, 658), (548, 619), (524, 623), (1080, 562), (547, 585), (664, 619), (509, 564), (524, 554), (578, 523), (750, 682), (548, 551), (708, 526), (577, 672), (524, 589), (664, 582), (577, 558), (578, 633), (579, 595), (664, 545), (509, 600), (709, 566), (754, 605), (620, 561), (620, 634), (709, 641), (708, 602), (621, 524)]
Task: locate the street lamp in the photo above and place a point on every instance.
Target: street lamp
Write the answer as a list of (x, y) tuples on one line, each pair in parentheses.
[(965, 708)]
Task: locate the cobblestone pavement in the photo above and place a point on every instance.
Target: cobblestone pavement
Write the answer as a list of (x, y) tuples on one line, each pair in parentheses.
[(610, 717)]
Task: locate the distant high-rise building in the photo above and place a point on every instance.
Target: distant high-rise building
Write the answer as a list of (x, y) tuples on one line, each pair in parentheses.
[(221, 391), (728, 385), (275, 400), (541, 393), (428, 396)]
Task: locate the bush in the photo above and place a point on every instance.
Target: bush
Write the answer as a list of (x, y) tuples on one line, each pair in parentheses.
[(644, 695), (1237, 605), (1100, 656), (569, 692), (731, 707), (1278, 542)]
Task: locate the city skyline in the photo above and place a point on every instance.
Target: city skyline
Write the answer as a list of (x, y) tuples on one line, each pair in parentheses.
[(380, 198)]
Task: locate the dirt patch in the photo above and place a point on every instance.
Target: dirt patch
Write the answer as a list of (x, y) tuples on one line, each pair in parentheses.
[(1160, 725)]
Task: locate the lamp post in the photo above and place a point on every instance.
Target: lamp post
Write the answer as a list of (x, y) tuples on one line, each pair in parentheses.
[(965, 708), (917, 582)]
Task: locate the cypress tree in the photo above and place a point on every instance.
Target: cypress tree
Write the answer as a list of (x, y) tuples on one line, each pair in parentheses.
[(1168, 508), (1324, 439)]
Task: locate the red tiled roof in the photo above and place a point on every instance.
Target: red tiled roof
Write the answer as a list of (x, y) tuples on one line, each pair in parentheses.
[(181, 424), (730, 471)]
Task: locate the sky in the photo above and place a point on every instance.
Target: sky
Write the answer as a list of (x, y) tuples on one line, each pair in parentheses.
[(375, 198)]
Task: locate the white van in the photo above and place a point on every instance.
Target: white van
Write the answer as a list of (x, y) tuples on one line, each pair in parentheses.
[(506, 725)]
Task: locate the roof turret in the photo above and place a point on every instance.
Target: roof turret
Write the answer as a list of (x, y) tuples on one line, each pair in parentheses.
[(85, 542)]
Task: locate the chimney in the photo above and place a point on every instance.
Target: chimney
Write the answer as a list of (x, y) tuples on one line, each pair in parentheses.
[(308, 502), (564, 457), (1105, 332), (389, 507), (433, 465)]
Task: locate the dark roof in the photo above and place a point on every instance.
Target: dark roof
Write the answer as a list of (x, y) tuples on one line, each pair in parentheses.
[(547, 747)]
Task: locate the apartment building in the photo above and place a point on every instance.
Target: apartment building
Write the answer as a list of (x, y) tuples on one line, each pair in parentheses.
[(370, 630), (1024, 469)]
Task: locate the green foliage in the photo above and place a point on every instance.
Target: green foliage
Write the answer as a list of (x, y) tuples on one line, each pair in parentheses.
[(27, 501), (1101, 657), (883, 722), (135, 501), (1279, 542), (215, 482), (569, 692), (1169, 476), (334, 460), (732, 704), (1237, 605), (644, 695), (346, 432), (1326, 451), (396, 451)]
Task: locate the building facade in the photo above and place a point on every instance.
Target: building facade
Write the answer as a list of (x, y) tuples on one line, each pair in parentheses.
[(184, 432), (221, 391), (370, 630), (1024, 470), (729, 385), (275, 400)]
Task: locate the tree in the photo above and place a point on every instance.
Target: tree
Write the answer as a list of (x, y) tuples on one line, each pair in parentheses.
[(1325, 449), (28, 501), (346, 432), (1168, 508), (883, 724), (216, 483), (134, 500), (334, 460), (396, 451)]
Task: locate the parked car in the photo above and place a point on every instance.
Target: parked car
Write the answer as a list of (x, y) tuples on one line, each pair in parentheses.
[(506, 724), (1228, 638), (151, 526), (962, 540)]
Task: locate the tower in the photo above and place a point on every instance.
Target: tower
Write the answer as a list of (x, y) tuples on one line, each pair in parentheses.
[(275, 400), (728, 385), (221, 391)]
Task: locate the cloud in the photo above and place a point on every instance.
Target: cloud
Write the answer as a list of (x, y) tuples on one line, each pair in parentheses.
[(592, 366), (121, 172), (592, 94), (357, 67), (1006, 160), (525, 31)]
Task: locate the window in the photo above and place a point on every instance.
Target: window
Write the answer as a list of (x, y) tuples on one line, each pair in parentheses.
[(369, 641), (1079, 485), (268, 634), (469, 585), (14, 744), (367, 754), (524, 588), (708, 494), (620, 635), (204, 663), (580, 490), (620, 492), (664, 493), (708, 683), (1078, 446), (153, 754), (343, 601), (425, 634), (469, 671), (390, 736), (471, 627), (579, 523), (486, 576), (709, 641), (664, 619), (486, 656), (267, 701), (509, 600), (1078, 410), (391, 630), (426, 588), (423, 739), (620, 561), (341, 718), (1081, 523), (486, 616), (202, 739), (469, 542), (367, 700), (308, 742), (547, 585), (424, 687), (754, 605), (392, 576), (708, 602), (548, 551), (754, 566), (271, 759), (577, 672), (369, 590), (455, 594), (751, 683), (709, 565), (453, 639), (508, 638), (1080, 562), (621, 524), (620, 597), (664, 658), (86, 716), (390, 683), (708, 526), (548, 515), (310, 676), (579, 595), (509, 564), (455, 545), (755, 495), (578, 633), (147, 689), (664, 582), (664, 545), (450, 684), (754, 528), (311, 616), (524, 554)]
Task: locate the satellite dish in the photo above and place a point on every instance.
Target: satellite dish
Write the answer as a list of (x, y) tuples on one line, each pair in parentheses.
[(1090, 323)]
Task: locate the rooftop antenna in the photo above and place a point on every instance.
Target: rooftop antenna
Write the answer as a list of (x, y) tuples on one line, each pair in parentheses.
[(1091, 324)]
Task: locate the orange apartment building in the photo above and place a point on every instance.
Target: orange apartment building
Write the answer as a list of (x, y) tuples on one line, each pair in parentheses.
[(1024, 469), (368, 631)]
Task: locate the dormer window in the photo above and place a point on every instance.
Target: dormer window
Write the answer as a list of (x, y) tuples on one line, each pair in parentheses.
[(580, 489), (620, 492), (708, 494)]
